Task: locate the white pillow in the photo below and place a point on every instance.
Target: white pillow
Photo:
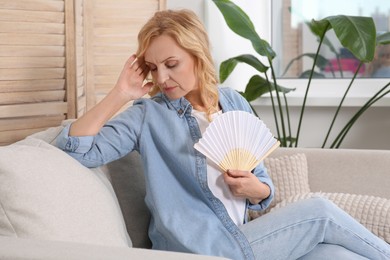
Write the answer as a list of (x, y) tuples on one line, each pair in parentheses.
[(46, 194)]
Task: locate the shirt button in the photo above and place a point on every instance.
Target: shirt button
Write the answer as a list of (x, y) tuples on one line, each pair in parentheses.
[(180, 111)]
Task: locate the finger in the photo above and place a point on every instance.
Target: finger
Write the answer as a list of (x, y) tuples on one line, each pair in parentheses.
[(229, 180), (134, 63), (237, 173), (131, 60)]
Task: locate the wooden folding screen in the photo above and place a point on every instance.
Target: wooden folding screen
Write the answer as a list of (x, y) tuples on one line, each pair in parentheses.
[(59, 57), (111, 38), (32, 66)]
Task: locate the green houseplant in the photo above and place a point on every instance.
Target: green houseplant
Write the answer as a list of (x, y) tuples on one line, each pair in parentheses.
[(355, 33)]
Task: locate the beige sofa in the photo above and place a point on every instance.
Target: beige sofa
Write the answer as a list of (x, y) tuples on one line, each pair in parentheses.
[(54, 208)]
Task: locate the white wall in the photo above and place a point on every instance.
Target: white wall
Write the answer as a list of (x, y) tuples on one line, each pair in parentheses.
[(195, 5), (371, 131)]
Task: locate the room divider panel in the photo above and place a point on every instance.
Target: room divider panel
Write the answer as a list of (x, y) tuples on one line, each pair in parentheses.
[(59, 57)]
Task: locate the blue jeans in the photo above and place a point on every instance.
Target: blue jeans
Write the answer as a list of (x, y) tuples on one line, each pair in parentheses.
[(309, 228)]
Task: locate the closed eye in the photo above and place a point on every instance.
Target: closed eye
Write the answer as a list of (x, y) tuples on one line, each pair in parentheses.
[(171, 64)]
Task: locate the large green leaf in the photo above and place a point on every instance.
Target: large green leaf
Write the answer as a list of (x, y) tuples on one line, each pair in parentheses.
[(257, 86), (383, 39), (228, 65), (239, 22), (356, 33), (320, 27), (226, 68)]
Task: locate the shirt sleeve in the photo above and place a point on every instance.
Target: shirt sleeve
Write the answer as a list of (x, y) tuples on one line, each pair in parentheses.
[(74, 144), (116, 138), (261, 173)]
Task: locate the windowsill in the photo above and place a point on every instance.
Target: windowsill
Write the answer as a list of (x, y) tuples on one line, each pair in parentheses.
[(328, 93)]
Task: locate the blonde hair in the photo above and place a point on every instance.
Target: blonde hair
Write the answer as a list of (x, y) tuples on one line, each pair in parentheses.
[(188, 31)]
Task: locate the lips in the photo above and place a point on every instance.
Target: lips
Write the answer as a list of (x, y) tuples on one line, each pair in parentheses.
[(168, 89)]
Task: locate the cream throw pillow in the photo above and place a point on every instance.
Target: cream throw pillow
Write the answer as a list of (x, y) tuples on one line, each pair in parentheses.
[(46, 194), (289, 174)]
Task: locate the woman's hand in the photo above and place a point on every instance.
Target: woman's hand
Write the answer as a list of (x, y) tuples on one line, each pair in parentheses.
[(131, 80), (128, 87), (246, 185)]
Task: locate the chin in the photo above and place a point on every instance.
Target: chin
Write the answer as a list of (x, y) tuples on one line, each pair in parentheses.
[(172, 96)]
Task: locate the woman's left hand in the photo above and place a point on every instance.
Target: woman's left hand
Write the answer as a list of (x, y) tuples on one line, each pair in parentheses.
[(246, 185)]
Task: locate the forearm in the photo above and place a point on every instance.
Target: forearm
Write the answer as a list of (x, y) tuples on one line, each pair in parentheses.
[(91, 122)]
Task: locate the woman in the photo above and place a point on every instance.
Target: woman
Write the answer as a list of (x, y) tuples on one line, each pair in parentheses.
[(194, 207)]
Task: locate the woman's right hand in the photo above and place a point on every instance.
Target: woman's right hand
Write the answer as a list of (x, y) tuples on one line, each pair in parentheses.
[(130, 86), (131, 80)]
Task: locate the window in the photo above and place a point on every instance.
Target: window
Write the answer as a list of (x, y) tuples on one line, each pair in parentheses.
[(292, 37), (270, 18)]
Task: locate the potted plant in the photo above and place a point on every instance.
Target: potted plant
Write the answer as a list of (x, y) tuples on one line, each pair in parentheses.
[(356, 33)]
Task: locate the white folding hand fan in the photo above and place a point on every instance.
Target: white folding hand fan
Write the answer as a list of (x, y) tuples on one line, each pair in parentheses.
[(237, 140)]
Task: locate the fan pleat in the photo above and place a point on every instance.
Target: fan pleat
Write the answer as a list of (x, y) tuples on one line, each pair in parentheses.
[(237, 140)]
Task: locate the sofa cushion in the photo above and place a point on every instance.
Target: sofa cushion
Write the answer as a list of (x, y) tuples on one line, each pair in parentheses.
[(128, 181), (46, 194)]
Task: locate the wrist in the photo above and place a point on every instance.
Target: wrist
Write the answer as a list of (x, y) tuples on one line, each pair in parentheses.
[(121, 95), (264, 191)]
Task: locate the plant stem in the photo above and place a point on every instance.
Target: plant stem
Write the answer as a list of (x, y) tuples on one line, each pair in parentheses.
[(273, 107), (354, 119), (340, 137), (339, 65), (341, 103), (284, 141), (288, 119), (253, 109), (308, 85)]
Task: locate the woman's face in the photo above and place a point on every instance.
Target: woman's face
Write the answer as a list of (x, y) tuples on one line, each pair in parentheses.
[(172, 68)]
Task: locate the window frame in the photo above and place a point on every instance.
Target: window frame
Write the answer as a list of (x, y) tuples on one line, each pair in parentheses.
[(324, 92)]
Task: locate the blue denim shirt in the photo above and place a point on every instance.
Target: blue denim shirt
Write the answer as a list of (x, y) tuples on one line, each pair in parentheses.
[(186, 217)]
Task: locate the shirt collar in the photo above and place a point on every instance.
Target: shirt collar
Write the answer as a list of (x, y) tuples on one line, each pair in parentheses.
[(180, 105)]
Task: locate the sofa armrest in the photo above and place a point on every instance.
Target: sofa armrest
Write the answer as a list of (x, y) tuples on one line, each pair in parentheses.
[(19, 248), (354, 171)]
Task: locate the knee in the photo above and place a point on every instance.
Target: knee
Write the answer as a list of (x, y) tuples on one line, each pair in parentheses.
[(322, 206), (320, 201)]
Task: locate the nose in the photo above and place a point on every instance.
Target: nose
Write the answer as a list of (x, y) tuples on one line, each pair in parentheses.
[(162, 76)]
